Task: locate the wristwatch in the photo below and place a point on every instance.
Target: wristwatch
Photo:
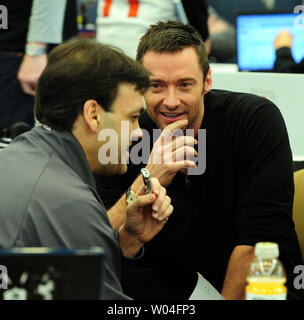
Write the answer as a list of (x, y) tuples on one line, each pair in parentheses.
[(33, 50), (130, 196)]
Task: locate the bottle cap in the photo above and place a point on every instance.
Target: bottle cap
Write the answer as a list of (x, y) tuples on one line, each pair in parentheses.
[(266, 250)]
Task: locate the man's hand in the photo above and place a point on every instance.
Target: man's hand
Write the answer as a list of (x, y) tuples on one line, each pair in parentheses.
[(216, 25), (166, 159), (283, 39), (170, 156), (146, 216), (30, 71)]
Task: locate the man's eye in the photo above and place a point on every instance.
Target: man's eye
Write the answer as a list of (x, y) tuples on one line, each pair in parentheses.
[(185, 84), (155, 85)]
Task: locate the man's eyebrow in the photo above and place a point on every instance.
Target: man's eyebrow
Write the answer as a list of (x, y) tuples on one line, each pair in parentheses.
[(187, 79), (155, 79), (178, 80)]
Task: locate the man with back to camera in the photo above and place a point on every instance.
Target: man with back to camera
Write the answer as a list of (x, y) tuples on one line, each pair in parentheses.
[(34, 28), (245, 194), (47, 191)]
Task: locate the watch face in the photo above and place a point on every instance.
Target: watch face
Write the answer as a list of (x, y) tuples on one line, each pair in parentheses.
[(130, 196), (33, 50)]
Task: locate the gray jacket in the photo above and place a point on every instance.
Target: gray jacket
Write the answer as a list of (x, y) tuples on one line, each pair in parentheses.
[(48, 199)]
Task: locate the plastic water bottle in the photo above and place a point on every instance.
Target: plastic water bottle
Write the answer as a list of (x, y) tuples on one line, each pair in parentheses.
[(266, 275)]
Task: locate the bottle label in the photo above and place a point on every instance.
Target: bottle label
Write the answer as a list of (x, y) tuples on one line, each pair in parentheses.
[(254, 296)]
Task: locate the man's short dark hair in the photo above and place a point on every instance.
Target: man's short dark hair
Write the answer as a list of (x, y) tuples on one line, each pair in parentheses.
[(172, 37), (79, 70)]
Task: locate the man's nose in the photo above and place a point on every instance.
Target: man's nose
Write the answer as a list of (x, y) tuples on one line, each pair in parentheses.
[(171, 100), (136, 133)]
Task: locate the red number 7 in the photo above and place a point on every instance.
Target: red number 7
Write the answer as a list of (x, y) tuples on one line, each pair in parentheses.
[(132, 12)]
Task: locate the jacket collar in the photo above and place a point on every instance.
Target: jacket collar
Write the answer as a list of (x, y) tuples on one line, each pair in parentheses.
[(67, 148)]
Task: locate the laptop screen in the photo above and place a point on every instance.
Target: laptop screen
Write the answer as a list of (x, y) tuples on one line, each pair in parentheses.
[(51, 274), (255, 34)]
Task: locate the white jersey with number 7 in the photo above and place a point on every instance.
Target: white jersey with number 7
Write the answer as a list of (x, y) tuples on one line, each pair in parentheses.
[(122, 22)]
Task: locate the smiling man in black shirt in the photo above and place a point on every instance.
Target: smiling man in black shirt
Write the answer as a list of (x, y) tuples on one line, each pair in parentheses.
[(245, 194)]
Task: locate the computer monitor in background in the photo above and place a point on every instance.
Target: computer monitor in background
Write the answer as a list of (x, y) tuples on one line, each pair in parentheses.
[(255, 34)]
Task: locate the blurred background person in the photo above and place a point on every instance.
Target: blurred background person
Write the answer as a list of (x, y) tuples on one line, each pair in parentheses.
[(221, 23), (284, 60), (122, 23), (222, 38), (34, 28)]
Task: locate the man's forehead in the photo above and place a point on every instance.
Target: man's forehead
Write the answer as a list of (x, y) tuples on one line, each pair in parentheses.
[(128, 99), (182, 63), (135, 106), (185, 52)]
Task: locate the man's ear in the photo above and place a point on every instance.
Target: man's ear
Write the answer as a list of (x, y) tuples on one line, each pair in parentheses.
[(208, 82), (92, 114)]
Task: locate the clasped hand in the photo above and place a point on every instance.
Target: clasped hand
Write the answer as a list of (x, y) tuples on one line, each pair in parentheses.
[(171, 154), (145, 218)]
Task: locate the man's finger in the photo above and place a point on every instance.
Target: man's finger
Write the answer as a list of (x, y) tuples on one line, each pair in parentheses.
[(165, 216), (178, 165), (162, 207), (181, 141), (182, 153), (171, 128), (155, 187), (141, 202), (160, 199)]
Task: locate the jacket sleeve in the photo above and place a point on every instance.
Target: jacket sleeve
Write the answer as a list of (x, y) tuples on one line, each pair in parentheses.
[(73, 218), (197, 14)]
